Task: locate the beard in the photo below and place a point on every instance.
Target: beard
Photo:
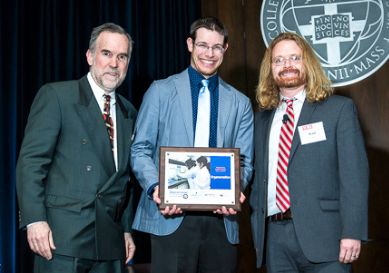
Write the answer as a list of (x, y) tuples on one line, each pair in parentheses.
[(105, 84), (296, 81)]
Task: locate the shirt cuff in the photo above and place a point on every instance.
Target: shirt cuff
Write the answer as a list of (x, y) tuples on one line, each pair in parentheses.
[(150, 191), (29, 225)]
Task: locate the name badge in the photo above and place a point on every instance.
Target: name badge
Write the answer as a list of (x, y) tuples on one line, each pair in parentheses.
[(311, 133)]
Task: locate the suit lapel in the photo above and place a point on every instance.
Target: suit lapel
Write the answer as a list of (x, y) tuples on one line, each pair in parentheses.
[(91, 118), (305, 115), (267, 122), (184, 93), (224, 110), (124, 126)]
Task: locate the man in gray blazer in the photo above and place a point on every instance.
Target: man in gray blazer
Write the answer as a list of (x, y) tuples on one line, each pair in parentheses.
[(310, 192), (73, 167), (169, 114)]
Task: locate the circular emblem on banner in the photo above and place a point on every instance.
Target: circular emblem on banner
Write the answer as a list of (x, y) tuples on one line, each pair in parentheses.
[(350, 37)]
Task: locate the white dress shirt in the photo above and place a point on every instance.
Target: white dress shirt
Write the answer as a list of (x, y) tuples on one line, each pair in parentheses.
[(274, 140)]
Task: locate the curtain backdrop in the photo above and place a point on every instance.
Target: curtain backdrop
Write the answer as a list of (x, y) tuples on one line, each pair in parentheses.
[(45, 41)]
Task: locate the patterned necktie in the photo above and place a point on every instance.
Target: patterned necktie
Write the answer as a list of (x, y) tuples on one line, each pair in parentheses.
[(286, 136), (203, 116), (108, 118)]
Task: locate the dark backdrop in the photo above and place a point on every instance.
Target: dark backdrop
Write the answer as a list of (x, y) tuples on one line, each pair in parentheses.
[(46, 40)]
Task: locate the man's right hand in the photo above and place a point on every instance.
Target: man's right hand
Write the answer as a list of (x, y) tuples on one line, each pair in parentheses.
[(40, 238), (167, 210)]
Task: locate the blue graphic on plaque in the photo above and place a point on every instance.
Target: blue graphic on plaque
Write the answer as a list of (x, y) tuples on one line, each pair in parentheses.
[(221, 172)]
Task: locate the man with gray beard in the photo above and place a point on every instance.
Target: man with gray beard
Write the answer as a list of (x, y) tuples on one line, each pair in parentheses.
[(72, 175)]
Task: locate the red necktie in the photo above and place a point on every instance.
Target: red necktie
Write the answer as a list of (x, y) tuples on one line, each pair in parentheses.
[(286, 136), (108, 118)]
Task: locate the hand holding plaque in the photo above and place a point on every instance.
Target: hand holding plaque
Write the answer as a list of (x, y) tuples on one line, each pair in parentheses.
[(166, 210)]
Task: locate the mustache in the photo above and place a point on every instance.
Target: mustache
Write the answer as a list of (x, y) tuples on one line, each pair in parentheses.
[(112, 71), (289, 70)]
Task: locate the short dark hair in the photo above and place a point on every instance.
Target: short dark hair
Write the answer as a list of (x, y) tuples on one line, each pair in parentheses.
[(110, 27), (211, 23), (202, 159)]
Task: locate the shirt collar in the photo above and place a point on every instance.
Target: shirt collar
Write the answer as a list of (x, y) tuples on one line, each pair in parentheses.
[(98, 92), (300, 96), (196, 78)]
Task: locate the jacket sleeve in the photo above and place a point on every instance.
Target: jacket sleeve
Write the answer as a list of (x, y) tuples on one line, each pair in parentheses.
[(144, 145), (128, 214), (244, 141), (354, 175), (36, 155)]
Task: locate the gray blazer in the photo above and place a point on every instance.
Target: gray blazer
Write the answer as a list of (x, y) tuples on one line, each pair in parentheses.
[(165, 119), (328, 180), (66, 174)]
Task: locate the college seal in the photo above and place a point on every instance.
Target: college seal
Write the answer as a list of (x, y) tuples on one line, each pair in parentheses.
[(350, 37)]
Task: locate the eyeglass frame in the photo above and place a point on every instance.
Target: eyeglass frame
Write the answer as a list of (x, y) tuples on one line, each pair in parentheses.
[(290, 59), (206, 47)]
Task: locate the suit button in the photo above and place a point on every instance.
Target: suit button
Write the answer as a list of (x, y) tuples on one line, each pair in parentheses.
[(263, 211), (88, 168), (84, 141), (98, 195)]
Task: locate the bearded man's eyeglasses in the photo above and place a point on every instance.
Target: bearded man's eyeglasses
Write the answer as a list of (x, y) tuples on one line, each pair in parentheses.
[(295, 59)]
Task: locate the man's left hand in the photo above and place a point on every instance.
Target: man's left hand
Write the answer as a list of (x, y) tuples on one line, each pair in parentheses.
[(130, 246), (229, 211), (349, 250)]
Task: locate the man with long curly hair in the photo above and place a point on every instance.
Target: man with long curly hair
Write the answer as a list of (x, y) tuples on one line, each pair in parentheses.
[(310, 191)]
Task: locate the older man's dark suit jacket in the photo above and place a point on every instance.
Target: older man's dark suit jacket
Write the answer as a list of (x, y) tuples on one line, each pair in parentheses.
[(66, 173), (328, 180)]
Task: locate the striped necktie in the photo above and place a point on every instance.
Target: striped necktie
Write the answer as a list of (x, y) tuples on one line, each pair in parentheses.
[(108, 119), (286, 137)]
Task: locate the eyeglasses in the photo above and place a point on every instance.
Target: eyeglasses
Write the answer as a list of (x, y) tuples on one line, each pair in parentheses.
[(216, 49), (295, 59)]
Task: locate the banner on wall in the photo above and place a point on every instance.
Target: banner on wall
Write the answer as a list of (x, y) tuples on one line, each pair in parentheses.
[(350, 37)]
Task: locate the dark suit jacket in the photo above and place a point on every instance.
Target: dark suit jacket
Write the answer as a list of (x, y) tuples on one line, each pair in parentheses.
[(328, 180), (66, 174)]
